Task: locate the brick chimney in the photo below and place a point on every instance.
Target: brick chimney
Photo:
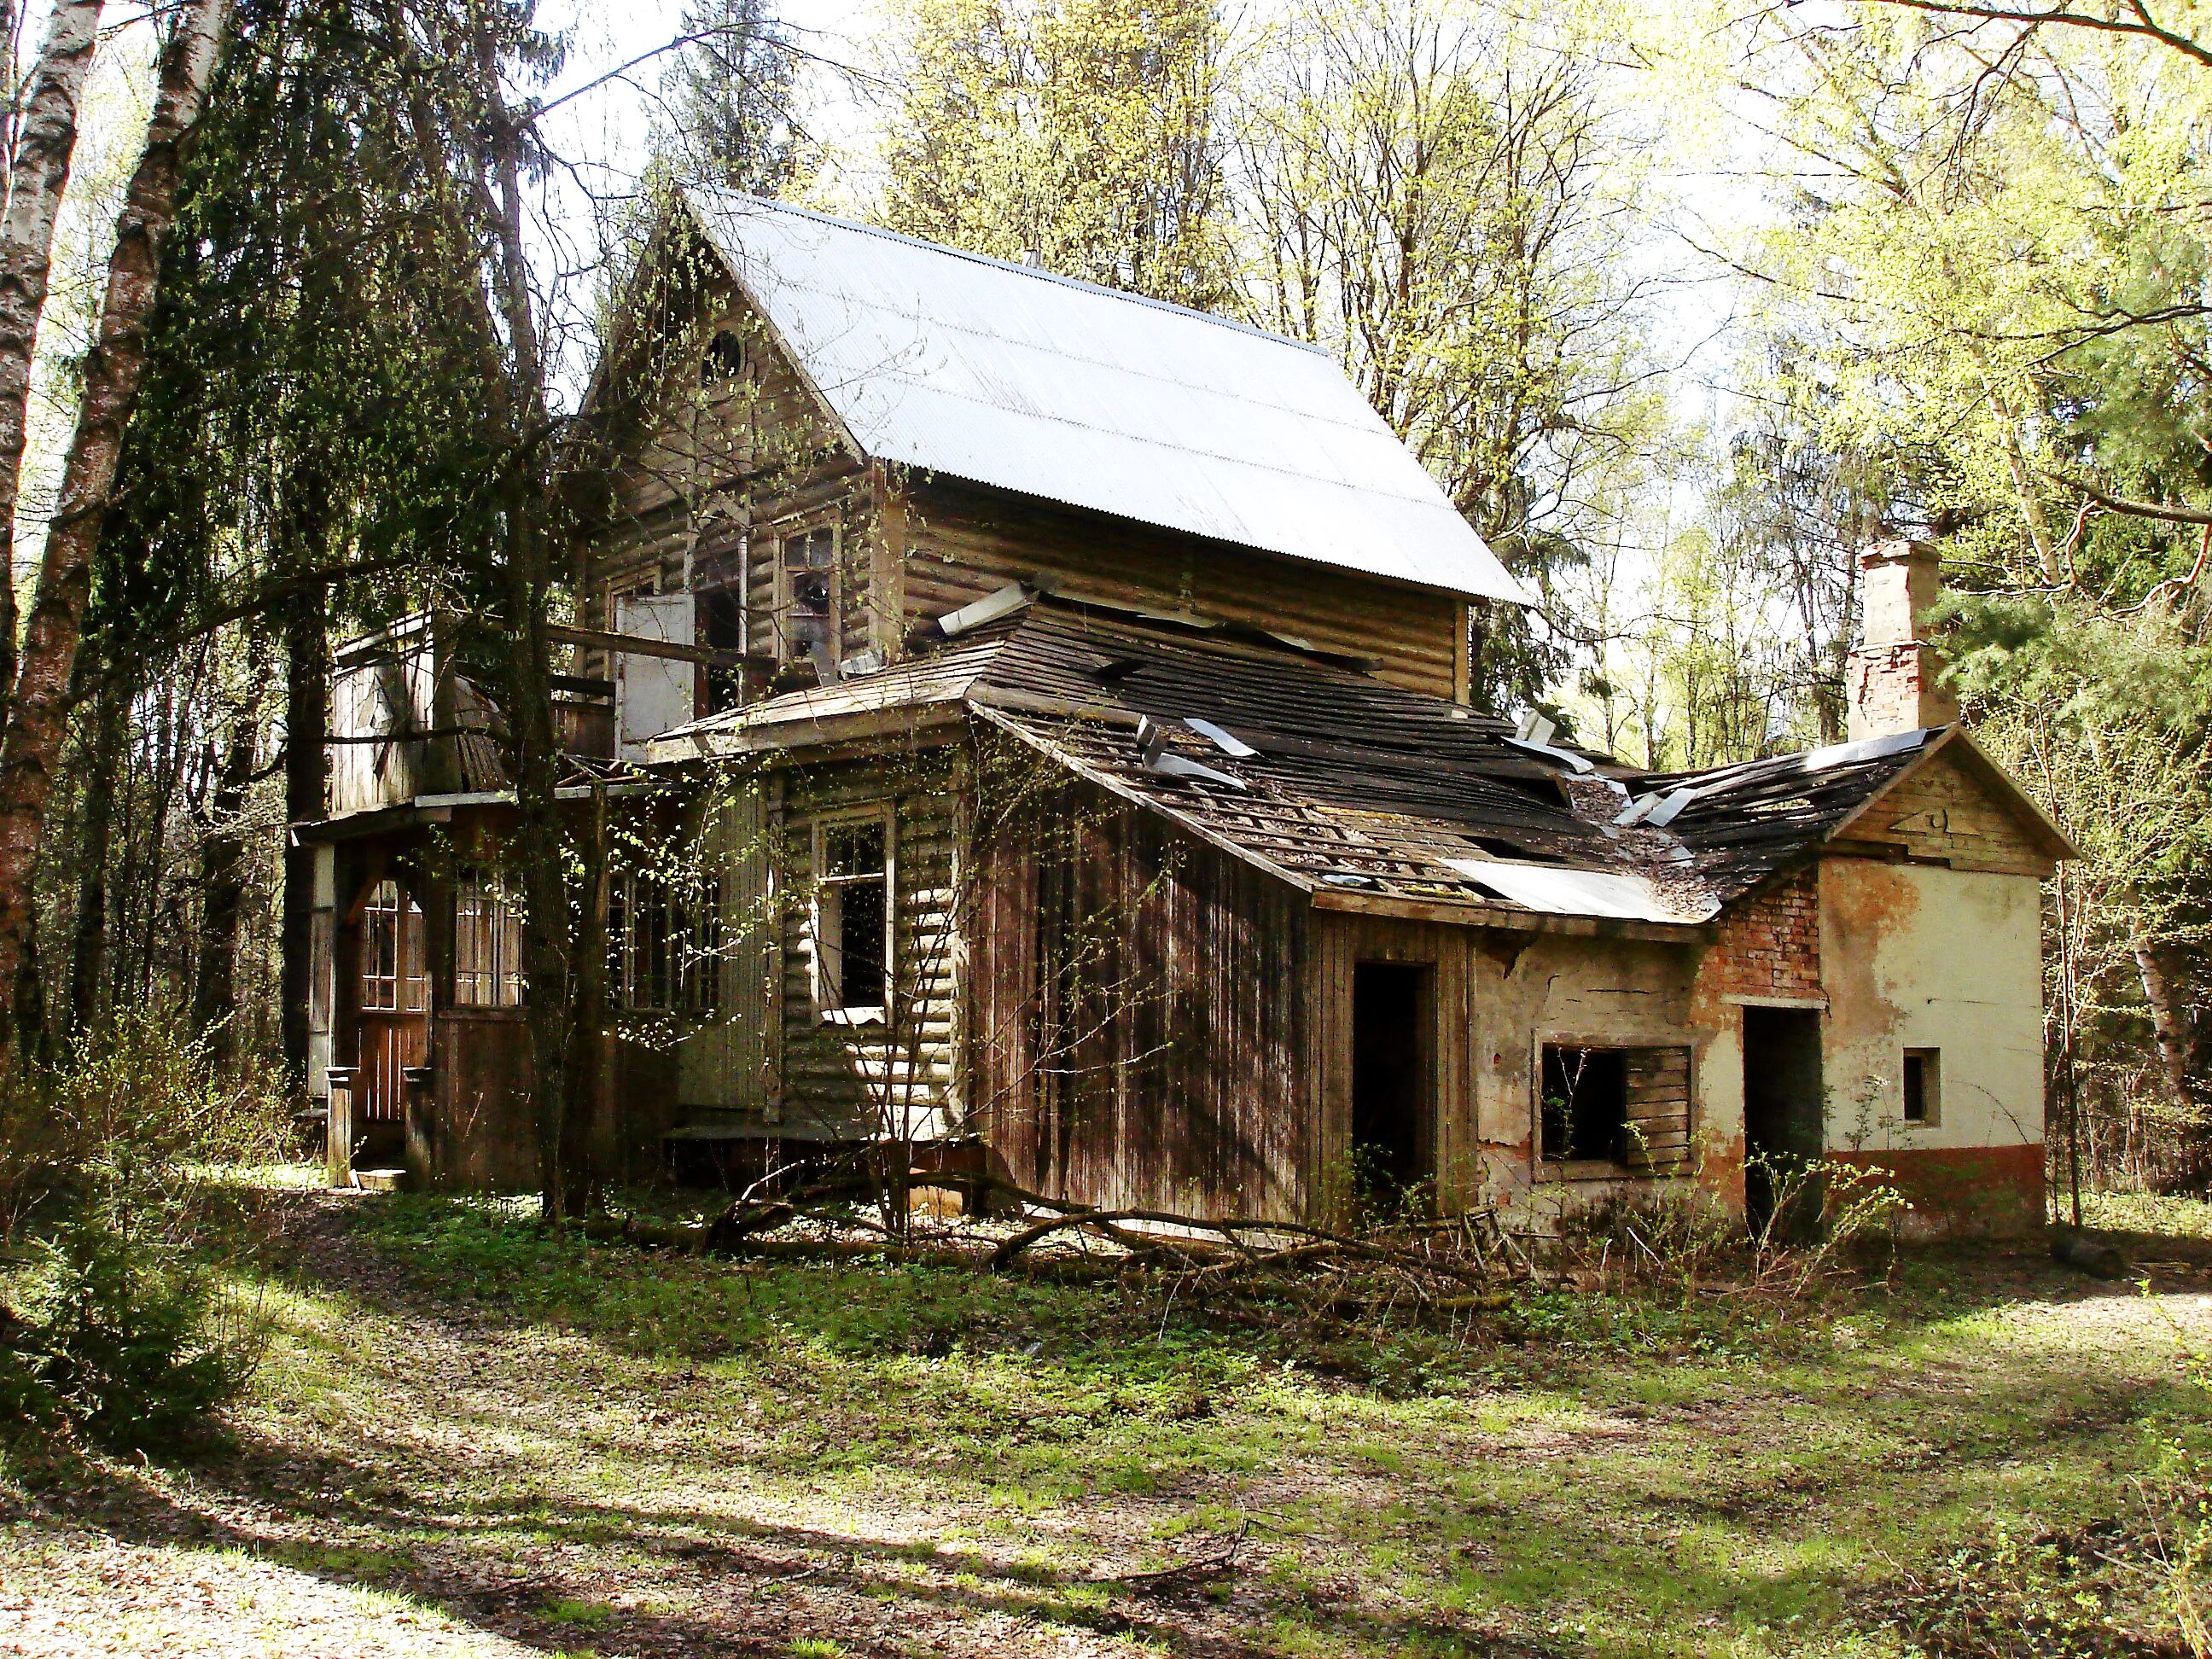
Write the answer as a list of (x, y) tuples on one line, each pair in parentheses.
[(1891, 674)]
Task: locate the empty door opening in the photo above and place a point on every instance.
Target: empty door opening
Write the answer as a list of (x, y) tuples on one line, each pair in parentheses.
[(1393, 1062), (1784, 1133)]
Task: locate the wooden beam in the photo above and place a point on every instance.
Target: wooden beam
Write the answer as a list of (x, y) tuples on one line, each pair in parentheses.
[(634, 645)]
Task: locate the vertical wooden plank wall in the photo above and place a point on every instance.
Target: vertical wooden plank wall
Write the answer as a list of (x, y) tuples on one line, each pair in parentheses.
[(1173, 972), (1342, 942)]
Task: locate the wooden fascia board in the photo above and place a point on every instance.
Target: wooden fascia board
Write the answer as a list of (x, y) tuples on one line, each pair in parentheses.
[(2056, 844), (862, 726), (1518, 921)]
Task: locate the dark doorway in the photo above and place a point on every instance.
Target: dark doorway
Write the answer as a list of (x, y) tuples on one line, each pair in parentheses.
[(1783, 1131), (1393, 1060)]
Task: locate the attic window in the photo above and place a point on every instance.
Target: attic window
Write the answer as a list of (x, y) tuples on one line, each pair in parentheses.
[(725, 359)]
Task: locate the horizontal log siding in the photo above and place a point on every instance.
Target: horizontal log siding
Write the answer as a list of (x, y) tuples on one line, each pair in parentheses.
[(964, 543), (1139, 1037), (865, 1076)]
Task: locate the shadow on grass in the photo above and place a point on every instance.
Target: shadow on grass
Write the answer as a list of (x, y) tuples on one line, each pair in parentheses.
[(484, 1539)]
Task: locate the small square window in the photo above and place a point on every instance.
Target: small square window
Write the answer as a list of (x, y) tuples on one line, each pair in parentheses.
[(1585, 1103), (1924, 1085)]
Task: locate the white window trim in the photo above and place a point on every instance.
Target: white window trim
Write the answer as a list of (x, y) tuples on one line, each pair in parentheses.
[(821, 823), (791, 529)]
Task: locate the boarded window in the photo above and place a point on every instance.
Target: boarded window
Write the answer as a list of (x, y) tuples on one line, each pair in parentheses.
[(486, 943), (1616, 1105), (853, 916), (1924, 1085), (807, 572)]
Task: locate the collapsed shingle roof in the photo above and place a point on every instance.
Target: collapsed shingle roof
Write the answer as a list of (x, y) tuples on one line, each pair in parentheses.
[(1337, 782)]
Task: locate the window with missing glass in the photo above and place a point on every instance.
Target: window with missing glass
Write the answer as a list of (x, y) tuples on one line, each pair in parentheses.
[(487, 942), (1924, 1085), (1625, 1107), (665, 940), (807, 566), (853, 915)]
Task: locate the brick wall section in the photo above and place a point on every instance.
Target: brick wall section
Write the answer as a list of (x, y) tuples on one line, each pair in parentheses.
[(1770, 947)]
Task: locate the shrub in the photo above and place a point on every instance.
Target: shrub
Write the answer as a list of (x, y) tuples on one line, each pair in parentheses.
[(111, 1321), (122, 1340)]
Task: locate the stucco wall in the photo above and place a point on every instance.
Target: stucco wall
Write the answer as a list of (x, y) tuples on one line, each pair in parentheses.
[(1558, 989), (1920, 957)]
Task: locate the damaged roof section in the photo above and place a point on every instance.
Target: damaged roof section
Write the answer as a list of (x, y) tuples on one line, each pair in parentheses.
[(1355, 790)]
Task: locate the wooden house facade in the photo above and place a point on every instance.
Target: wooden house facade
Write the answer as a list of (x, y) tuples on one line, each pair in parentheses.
[(1033, 724)]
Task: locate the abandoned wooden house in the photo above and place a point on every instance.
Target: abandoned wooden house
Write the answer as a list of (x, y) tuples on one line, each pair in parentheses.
[(1058, 704)]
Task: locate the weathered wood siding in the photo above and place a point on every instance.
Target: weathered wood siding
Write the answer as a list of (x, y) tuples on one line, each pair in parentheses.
[(1341, 942), (962, 542), (897, 1076), (1141, 1026), (1943, 813)]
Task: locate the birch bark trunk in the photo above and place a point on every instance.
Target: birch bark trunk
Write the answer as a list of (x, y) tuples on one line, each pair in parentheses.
[(37, 717), (38, 173)]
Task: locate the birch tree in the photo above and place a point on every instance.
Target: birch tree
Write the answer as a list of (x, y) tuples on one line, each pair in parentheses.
[(38, 173), (37, 716)]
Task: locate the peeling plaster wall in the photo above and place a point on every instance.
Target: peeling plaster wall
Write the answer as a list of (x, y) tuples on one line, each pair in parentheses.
[(1917, 956), (1571, 990)]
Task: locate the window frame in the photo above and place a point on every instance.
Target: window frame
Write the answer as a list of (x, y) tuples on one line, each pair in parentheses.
[(821, 972), (501, 924), (787, 633), (691, 970), (1615, 1167), (1930, 1061)]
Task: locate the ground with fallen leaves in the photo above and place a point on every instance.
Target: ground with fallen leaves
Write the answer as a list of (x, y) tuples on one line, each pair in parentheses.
[(467, 1437)]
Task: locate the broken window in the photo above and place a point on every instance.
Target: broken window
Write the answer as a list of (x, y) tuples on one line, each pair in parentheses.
[(1924, 1085), (486, 943), (1629, 1106), (806, 567), (852, 912), (391, 977), (665, 936), (722, 628), (724, 359)]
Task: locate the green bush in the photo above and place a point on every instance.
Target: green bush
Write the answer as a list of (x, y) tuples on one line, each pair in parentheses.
[(120, 1340), (113, 1209)]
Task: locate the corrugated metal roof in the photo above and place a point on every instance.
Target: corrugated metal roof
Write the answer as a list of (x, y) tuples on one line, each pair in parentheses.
[(1584, 892), (1006, 376)]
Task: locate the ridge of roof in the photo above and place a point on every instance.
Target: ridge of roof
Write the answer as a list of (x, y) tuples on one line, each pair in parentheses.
[(837, 222)]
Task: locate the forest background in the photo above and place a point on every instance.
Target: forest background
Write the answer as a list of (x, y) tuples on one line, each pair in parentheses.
[(1685, 306)]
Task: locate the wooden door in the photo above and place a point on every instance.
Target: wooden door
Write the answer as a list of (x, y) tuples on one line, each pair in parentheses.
[(395, 1003)]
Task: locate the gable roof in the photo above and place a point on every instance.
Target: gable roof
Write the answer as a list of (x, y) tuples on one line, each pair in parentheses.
[(1016, 378)]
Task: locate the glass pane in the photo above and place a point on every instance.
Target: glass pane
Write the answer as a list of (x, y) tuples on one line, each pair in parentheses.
[(853, 849), (860, 922)]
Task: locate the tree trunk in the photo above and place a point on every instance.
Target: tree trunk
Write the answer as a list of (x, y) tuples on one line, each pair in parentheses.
[(37, 719), (2177, 1053), (38, 173), (307, 703), (222, 887), (88, 940)]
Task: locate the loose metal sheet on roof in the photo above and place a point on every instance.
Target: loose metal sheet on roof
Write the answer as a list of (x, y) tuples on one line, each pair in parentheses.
[(1015, 378), (1584, 892)]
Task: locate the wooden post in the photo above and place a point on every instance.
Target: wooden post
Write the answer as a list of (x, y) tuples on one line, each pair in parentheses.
[(338, 1137), (419, 1159)]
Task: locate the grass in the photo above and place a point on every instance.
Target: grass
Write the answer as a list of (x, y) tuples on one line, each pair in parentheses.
[(528, 1437)]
